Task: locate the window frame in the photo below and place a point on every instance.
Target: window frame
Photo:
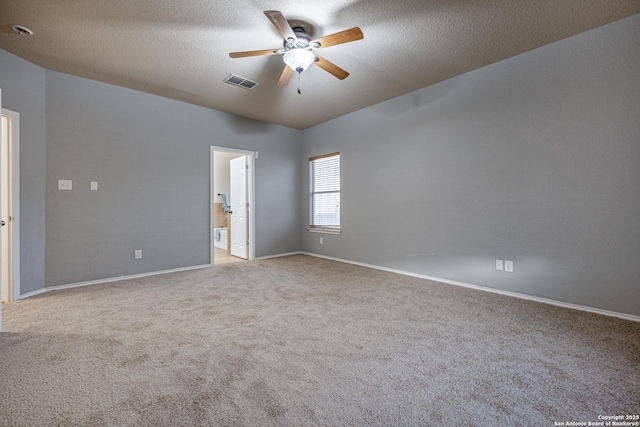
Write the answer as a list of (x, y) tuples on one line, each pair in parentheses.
[(314, 228)]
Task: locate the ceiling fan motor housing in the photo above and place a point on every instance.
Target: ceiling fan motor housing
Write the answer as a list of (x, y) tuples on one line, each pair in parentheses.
[(303, 42)]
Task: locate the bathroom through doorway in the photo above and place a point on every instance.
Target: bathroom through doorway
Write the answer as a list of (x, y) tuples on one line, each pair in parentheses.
[(232, 205)]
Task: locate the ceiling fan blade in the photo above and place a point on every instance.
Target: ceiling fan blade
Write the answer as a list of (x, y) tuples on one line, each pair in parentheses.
[(346, 36), (254, 53), (281, 24), (331, 68), (285, 76)]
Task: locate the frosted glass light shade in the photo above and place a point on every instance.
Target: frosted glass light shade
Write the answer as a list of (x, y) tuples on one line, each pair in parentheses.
[(299, 59)]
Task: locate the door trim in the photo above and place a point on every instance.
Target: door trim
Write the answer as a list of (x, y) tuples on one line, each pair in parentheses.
[(251, 196), (14, 222)]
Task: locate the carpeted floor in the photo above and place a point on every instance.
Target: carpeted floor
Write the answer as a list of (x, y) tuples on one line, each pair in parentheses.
[(299, 341)]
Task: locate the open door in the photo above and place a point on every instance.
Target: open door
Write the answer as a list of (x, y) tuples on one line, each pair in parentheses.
[(239, 224)]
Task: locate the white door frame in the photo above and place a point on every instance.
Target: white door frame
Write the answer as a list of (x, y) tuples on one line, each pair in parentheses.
[(251, 196), (13, 222), (0, 231)]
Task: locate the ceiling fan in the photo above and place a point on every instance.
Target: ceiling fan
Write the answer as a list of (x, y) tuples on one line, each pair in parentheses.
[(298, 46)]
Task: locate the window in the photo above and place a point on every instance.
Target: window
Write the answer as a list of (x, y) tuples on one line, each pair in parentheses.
[(324, 193)]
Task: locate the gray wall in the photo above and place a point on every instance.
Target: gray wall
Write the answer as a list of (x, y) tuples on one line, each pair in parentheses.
[(23, 91), (534, 159), (150, 156)]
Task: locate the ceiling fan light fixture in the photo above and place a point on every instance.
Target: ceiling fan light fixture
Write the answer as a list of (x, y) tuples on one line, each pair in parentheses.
[(299, 59)]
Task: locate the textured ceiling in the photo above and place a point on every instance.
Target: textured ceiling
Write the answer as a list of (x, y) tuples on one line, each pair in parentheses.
[(179, 49)]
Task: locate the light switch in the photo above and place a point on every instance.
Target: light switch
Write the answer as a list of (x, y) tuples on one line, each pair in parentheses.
[(94, 185), (508, 266), (64, 184)]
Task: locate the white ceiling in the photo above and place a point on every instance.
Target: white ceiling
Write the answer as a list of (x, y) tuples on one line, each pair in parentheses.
[(179, 49)]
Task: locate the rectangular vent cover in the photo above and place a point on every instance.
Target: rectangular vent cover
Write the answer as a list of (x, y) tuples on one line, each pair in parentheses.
[(232, 79)]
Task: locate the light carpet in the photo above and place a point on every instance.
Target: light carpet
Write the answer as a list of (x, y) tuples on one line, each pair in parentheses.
[(299, 341)]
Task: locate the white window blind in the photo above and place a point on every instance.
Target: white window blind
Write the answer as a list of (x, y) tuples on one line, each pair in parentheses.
[(324, 191)]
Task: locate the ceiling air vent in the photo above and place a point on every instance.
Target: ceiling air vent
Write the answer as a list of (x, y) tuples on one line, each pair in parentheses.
[(232, 79)]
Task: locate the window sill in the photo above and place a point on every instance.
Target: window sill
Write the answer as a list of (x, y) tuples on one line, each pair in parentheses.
[(325, 230)]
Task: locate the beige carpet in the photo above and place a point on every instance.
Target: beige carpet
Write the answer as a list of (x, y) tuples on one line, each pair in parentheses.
[(302, 341)]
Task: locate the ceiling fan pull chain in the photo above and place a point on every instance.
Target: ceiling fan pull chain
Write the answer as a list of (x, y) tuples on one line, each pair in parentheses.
[(299, 93)]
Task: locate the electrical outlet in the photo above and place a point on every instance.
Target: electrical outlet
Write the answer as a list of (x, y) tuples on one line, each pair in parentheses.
[(137, 254), (499, 265), (322, 240), (65, 184), (508, 266)]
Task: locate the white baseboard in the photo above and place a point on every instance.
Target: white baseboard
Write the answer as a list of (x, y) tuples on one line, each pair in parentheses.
[(31, 294), (109, 280), (362, 264), (486, 289), (280, 255)]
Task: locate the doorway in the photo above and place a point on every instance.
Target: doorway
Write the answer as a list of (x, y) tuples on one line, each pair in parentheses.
[(9, 205), (232, 201)]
